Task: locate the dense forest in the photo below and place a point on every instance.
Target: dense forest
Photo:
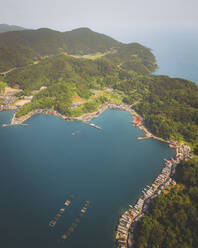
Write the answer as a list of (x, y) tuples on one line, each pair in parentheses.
[(7, 28), (34, 44), (173, 215), (169, 106)]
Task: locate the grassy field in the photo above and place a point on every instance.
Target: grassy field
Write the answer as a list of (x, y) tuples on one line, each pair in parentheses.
[(91, 56)]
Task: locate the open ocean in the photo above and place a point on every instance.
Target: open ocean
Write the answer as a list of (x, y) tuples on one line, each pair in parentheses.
[(176, 49)]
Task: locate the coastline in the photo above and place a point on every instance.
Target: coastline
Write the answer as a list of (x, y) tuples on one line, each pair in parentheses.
[(89, 116), (128, 220)]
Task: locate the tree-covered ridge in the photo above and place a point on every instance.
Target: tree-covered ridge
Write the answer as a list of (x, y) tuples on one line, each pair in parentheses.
[(173, 216), (82, 72), (135, 57), (86, 41), (57, 96), (169, 106), (10, 57), (7, 28), (3, 85), (103, 71), (43, 42)]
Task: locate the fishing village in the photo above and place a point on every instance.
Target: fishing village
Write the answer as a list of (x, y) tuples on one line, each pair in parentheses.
[(86, 118), (129, 219)]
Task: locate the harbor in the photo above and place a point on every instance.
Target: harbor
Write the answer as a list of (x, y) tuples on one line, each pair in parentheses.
[(86, 118), (129, 219), (65, 163)]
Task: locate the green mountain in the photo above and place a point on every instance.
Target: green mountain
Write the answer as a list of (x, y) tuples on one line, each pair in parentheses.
[(6, 28), (34, 44)]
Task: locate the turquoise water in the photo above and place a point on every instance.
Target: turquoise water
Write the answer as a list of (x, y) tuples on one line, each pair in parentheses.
[(42, 163)]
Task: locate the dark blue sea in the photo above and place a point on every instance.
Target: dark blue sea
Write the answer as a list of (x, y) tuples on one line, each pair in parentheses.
[(42, 164)]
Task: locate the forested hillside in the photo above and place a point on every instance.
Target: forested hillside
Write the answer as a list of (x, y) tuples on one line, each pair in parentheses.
[(33, 44), (7, 28), (169, 106), (173, 215)]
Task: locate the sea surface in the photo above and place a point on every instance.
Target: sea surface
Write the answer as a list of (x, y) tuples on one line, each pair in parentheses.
[(176, 49), (43, 163)]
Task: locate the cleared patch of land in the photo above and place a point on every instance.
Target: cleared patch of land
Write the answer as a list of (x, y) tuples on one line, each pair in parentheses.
[(22, 102), (10, 91)]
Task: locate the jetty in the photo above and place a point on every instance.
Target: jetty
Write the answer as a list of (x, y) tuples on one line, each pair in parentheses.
[(6, 125), (94, 125), (143, 137), (138, 120)]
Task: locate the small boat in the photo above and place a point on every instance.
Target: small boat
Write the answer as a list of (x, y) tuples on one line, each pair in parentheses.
[(172, 146), (67, 202), (61, 210), (64, 236), (52, 223), (83, 210)]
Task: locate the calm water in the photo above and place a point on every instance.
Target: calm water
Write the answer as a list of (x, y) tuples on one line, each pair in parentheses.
[(42, 163), (176, 50)]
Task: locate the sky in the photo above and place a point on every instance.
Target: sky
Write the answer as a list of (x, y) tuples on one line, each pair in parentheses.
[(100, 15)]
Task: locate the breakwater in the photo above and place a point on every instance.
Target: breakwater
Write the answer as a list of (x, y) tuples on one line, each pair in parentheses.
[(128, 220)]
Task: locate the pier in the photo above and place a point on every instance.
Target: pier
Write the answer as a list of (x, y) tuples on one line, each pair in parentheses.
[(7, 125), (94, 125), (143, 137)]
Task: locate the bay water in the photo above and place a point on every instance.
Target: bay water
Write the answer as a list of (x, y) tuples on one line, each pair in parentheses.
[(46, 161)]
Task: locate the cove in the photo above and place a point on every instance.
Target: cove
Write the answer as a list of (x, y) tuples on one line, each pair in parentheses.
[(42, 163)]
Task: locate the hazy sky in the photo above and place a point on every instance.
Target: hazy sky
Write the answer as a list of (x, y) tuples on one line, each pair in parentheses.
[(100, 15)]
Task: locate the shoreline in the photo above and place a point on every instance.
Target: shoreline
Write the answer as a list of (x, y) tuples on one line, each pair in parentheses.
[(85, 118), (129, 219)]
